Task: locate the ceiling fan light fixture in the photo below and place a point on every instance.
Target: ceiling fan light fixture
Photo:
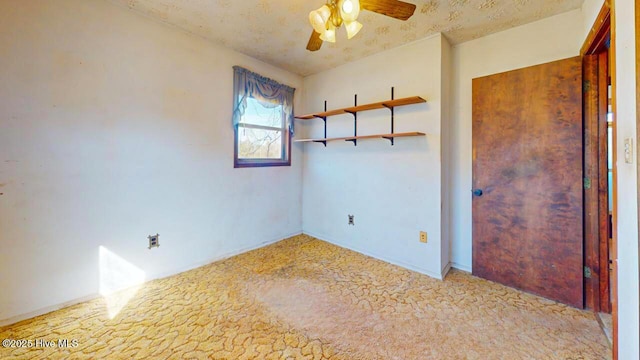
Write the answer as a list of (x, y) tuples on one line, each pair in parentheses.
[(329, 34), (318, 19), (347, 6), (327, 19), (349, 10), (352, 28)]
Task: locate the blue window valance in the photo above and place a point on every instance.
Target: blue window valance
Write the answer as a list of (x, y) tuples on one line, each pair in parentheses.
[(268, 92)]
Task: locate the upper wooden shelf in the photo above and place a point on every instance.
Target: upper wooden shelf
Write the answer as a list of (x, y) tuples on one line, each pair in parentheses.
[(362, 137), (379, 105)]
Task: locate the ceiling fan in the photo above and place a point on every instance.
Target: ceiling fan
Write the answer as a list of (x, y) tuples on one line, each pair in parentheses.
[(327, 19)]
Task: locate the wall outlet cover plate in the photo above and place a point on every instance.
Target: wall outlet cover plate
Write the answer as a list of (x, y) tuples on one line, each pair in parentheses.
[(628, 150), (154, 240)]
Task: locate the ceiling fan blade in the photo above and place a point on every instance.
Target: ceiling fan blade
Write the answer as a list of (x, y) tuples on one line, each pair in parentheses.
[(394, 8), (315, 43)]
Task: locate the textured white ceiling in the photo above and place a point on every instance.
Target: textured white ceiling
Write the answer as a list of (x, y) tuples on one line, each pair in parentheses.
[(277, 31)]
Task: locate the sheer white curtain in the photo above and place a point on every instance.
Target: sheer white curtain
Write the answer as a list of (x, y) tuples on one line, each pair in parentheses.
[(268, 92)]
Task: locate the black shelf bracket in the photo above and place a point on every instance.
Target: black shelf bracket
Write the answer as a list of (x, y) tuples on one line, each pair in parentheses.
[(355, 122), (392, 117), (324, 118)]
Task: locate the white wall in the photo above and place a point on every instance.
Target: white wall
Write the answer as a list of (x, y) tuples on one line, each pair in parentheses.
[(553, 38), (393, 191), (627, 183), (114, 127)]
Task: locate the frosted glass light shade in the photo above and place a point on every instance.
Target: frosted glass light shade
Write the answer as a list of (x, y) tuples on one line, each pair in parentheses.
[(349, 10), (352, 28), (329, 34), (318, 19)]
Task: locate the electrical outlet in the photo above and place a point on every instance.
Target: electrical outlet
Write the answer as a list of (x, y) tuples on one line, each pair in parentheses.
[(351, 220), (628, 150), (423, 237), (154, 241)]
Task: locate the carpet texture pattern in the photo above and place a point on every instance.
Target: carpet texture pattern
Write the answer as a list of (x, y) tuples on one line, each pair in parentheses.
[(306, 299)]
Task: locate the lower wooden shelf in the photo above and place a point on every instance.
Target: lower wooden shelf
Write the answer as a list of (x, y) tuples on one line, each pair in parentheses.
[(377, 136)]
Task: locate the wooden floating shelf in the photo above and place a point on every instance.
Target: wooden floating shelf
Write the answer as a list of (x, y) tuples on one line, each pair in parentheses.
[(389, 104), (378, 136), (354, 110)]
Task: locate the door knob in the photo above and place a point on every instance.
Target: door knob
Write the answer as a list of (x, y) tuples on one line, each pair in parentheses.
[(477, 192)]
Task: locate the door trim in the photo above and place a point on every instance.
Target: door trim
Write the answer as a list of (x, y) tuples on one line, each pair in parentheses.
[(614, 242), (596, 238), (637, 35), (591, 161), (593, 42), (603, 184), (596, 36)]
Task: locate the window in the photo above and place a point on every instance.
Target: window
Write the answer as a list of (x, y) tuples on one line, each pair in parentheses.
[(261, 133), (262, 119)]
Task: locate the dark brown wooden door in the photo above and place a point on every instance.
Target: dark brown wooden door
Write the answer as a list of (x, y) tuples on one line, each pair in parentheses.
[(527, 162)]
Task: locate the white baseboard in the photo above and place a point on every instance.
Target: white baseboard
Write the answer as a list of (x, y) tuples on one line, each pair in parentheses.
[(464, 268), (375, 256), (220, 257), (48, 309)]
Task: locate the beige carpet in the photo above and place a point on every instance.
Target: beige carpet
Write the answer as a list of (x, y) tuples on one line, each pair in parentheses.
[(305, 299)]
